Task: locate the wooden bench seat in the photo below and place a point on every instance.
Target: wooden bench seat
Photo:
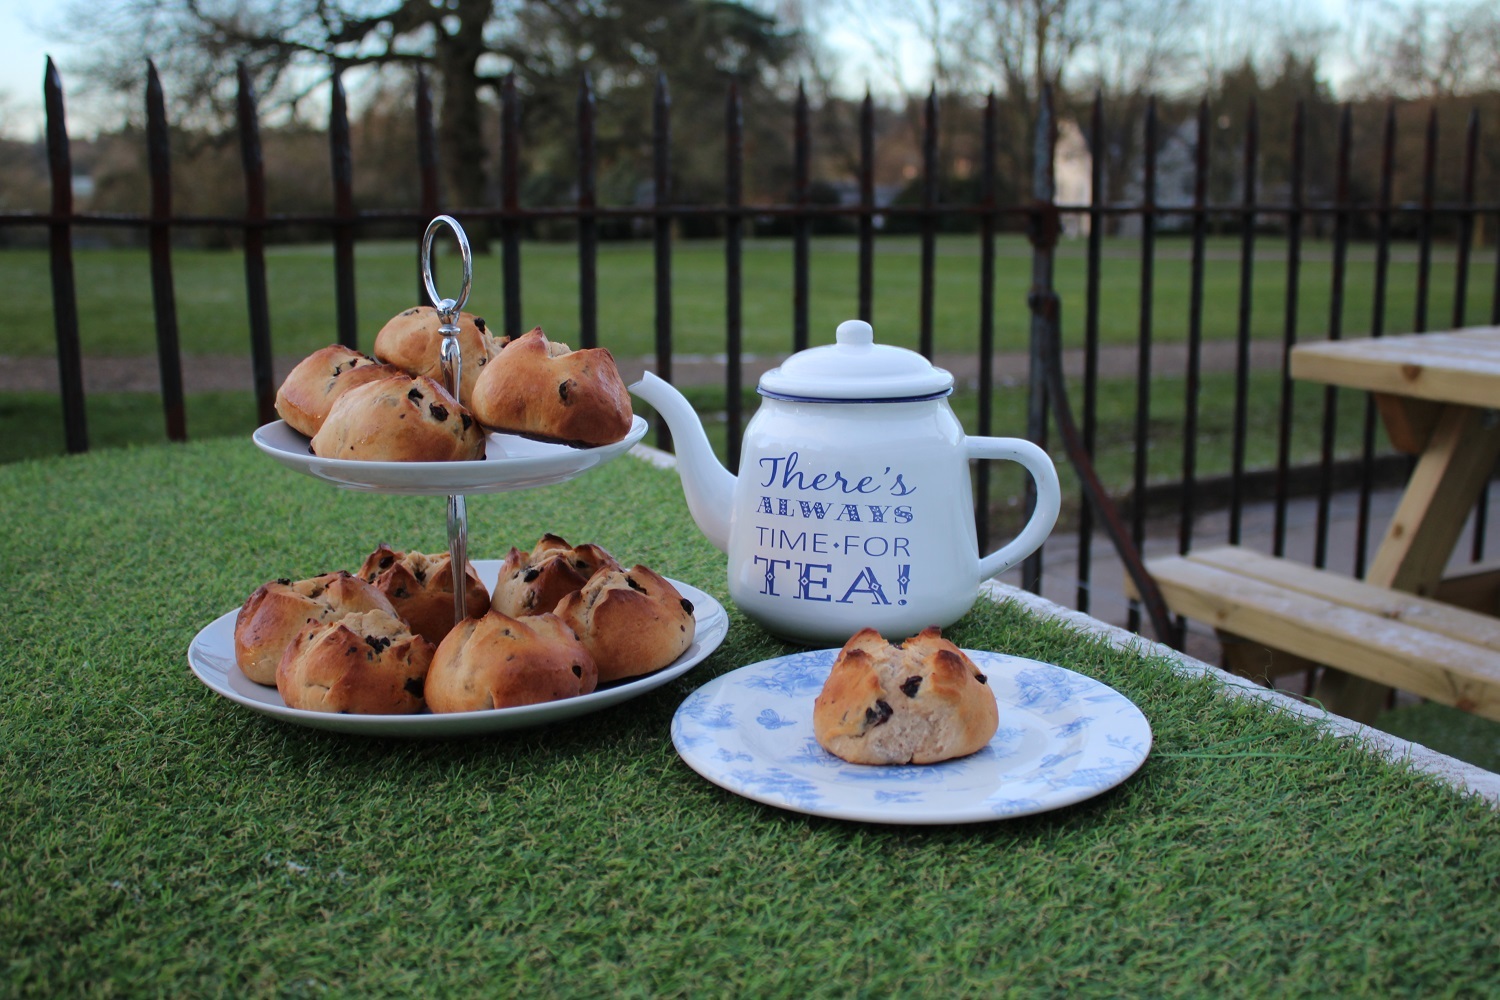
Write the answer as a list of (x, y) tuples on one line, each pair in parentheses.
[(1440, 652)]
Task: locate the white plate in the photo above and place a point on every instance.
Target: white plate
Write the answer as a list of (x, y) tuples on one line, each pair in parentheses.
[(510, 463), (1063, 738), (211, 656)]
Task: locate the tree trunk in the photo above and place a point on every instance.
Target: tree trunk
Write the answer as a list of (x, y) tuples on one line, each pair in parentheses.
[(459, 127)]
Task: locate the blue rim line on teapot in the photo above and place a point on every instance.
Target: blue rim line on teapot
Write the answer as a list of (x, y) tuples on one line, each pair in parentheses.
[(874, 399)]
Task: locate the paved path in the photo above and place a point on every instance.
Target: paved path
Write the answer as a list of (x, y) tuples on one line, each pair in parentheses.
[(221, 373)]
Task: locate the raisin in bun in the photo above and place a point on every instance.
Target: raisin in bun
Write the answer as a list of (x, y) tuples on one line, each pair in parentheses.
[(543, 390), (917, 703), (632, 622), (399, 419), (412, 341), (319, 379), (497, 661), (272, 616), (365, 664), (531, 583), (420, 586)]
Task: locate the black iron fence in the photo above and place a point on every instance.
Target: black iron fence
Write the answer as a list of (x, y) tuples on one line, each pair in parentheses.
[(1041, 216)]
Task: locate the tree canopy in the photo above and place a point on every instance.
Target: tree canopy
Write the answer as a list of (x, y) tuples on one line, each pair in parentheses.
[(291, 47)]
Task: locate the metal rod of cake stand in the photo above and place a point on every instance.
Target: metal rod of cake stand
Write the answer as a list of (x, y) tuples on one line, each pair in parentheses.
[(451, 357), (458, 512)]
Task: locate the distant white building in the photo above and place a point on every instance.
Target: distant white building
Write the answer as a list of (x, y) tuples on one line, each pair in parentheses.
[(1174, 179), (1073, 175)]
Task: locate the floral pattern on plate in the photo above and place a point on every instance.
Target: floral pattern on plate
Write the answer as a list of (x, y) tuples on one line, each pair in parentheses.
[(1063, 738)]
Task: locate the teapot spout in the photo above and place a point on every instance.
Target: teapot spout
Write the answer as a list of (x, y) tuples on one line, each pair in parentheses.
[(708, 486)]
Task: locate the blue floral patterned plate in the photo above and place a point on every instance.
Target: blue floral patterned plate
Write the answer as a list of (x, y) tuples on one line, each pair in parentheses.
[(1063, 738)]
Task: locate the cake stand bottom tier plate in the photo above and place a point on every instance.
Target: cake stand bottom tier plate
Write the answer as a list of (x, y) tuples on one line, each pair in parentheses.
[(211, 657)]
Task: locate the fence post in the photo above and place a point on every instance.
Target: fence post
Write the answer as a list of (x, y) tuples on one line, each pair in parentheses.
[(867, 206), (1461, 295), (1341, 220), (427, 169), (1249, 160), (510, 202), (1043, 230), (1424, 220), (1090, 415), (342, 160), (734, 155), (588, 223), (255, 250), (64, 290), (661, 166), (1377, 329), (1140, 469), (801, 157), (929, 220), (1289, 323), (1193, 388), (986, 318), (163, 295)]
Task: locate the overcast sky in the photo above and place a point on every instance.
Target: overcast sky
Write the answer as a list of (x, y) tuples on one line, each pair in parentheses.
[(24, 48)]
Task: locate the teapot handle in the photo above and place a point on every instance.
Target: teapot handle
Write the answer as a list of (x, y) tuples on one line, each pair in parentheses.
[(1048, 499)]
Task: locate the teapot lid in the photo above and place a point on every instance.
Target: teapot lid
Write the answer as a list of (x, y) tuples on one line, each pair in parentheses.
[(855, 368)]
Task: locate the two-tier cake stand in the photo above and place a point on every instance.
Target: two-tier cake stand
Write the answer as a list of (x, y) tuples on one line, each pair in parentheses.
[(511, 463)]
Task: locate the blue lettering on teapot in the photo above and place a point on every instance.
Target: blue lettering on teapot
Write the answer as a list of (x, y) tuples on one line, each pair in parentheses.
[(862, 565), (810, 581), (782, 472)]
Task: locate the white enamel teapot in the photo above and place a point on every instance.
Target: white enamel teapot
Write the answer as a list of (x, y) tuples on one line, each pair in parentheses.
[(852, 507)]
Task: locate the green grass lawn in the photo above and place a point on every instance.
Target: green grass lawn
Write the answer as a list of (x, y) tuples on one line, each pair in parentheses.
[(116, 317), (34, 429)]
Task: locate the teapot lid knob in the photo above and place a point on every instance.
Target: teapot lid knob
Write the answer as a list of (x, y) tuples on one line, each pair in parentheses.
[(855, 332)]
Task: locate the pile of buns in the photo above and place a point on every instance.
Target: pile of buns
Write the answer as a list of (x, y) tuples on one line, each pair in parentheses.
[(918, 702), (394, 407), (561, 621)]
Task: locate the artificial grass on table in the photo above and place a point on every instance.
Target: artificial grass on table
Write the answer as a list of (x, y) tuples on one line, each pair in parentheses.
[(163, 840)]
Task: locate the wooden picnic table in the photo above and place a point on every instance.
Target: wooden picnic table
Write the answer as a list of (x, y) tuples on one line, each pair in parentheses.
[(1404, 625), (1437, 394)]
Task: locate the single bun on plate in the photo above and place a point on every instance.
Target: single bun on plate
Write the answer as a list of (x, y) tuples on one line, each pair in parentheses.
[(543, 390), (531, 583), (412, 341), (319, 379), (501, 662), (366, 664), (917, 703), (420, 586), (632, 621), (277, 611), (399, 419)]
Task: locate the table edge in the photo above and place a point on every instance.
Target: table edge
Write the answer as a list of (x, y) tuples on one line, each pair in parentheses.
[(1466, 778)]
